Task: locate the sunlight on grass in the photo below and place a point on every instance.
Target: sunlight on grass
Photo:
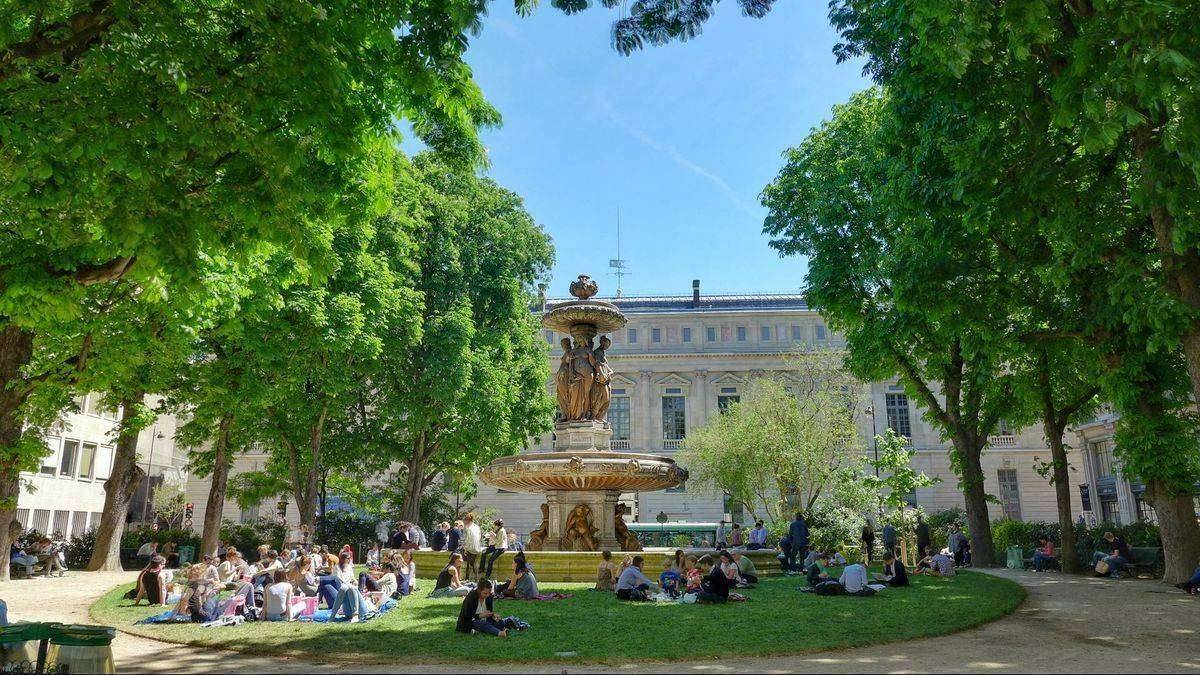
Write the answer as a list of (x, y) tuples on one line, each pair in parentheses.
[(595, 627)]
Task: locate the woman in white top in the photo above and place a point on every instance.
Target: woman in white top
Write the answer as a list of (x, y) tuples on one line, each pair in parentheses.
[(495, 549), (277, 598), (373, 556), (387, 581)]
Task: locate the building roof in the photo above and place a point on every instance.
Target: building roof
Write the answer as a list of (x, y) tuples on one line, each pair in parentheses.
[(706, 303)]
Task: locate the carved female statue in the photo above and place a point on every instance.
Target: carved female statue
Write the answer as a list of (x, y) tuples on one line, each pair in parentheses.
[(602, 385), (627, 540), (583, 373), (562, 380), (537, 538), (579, 529)]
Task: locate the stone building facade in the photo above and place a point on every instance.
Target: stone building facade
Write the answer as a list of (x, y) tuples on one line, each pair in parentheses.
[(680, 359)]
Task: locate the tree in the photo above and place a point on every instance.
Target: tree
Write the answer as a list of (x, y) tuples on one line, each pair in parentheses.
[(1070, 125), (784, 444), (892, 272), (140, 139), (473, 386), (894, 478)]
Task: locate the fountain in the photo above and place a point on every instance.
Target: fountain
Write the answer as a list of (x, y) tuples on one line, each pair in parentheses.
[(582, 478)]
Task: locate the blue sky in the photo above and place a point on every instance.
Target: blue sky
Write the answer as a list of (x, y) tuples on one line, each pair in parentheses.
[(680, 138)]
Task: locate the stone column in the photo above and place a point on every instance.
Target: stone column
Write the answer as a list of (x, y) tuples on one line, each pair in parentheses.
[(700, 392), (647, 433)]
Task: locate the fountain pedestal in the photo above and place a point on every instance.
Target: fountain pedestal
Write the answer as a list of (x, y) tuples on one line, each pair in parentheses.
[(588, 436), (603, 505)]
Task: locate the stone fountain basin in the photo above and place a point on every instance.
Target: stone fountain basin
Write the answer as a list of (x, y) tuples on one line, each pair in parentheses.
[(603, 316), (540, 472)]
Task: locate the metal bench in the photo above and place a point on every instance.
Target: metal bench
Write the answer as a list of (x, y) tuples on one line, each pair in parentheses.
[(1148, 559)]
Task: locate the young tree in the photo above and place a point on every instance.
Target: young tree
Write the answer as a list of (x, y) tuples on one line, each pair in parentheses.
[(785, 443), (141, 138)]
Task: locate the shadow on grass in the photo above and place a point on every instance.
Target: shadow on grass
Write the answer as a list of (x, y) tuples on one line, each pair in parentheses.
[(597, 628)]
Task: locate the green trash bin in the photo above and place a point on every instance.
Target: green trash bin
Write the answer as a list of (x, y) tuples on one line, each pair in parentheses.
[(187, 554), (81, 649), (1016, 558), (20, 644)]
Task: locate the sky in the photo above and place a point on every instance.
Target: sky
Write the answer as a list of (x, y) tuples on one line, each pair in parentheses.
[(680, 139)]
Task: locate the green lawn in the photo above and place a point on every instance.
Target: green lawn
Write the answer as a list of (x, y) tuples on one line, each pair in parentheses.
[(596, 627)]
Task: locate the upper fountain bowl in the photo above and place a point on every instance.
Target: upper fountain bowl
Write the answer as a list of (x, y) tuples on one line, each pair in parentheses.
[(604, 316)]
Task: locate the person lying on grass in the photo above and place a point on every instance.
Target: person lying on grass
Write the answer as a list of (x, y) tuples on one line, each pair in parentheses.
[(476, 613)]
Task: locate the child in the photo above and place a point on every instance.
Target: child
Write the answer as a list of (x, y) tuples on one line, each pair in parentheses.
[(694, 577), (669, 579)]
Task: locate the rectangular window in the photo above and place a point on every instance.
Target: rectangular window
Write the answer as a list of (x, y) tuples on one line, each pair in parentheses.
[(821, 332), (1106, 464), (632, 334), (91, 405), (23, 518), (70, 454), (94, 522), (897, 414), (79, 523), (50, 461), (796, 334), (250, 513), (60, 522), (656, 335), (686, 334), (618, 417), (41, 520), (726, 400), (673, 418), (741, 333), (765, 333), (87, 461), (1010, 493), (710, 334)]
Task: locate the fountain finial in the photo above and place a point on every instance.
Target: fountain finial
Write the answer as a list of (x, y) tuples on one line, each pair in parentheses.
[(584, 287)]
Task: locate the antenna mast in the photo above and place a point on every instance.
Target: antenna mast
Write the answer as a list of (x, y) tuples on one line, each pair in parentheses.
[(619, 264)]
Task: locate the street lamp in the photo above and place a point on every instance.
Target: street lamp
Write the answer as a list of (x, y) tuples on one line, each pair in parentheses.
[(155, 434), (874, 438)]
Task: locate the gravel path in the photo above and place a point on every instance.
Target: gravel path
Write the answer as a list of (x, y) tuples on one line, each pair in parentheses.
[(1067, 624)]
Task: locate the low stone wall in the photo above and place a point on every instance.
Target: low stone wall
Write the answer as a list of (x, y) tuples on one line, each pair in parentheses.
[(579, 566)]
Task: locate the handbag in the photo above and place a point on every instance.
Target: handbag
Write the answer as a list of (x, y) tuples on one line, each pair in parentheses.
[(1102, 567)]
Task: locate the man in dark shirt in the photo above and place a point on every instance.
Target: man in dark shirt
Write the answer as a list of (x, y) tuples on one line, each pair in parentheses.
[(437, 541), (1117, 556), (798, 533), (923, 539)]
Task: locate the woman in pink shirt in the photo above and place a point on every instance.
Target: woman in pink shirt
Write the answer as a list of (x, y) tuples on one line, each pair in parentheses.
[(1043, 554)]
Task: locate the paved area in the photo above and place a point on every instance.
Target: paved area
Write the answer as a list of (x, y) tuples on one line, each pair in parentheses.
[(1067, 624)]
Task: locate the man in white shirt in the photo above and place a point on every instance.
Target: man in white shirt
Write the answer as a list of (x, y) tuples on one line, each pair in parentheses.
[(472, 545), (147, 551), (854, 580), (633, 583)]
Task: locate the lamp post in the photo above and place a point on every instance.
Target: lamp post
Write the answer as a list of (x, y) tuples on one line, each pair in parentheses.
[(875, 448), (155, 434)]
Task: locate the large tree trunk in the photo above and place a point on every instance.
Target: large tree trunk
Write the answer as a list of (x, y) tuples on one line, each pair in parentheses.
[(1178, 528), (1062, 496), (118, 491), (16, 351), (216, 489), (414, 487), (983, 551)]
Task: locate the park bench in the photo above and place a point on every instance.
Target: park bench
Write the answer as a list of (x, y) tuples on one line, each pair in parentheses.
[(1147, 559), (1027, 560)]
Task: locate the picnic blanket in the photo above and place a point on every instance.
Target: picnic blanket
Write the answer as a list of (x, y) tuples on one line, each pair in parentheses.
[(544, 597), (322, 615), (168, 616)]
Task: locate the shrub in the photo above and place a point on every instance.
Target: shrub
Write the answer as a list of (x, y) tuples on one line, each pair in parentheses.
[(938, 523), (1007, 533), (346, 527), (79, 549), (246, 537)]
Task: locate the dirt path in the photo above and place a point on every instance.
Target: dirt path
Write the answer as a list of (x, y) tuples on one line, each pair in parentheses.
[(1067, 624)]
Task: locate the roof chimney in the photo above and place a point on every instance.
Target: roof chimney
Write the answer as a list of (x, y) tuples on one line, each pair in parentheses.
[(695, 293)]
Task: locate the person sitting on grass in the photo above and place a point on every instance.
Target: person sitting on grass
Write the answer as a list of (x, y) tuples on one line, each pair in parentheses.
[(406, 572), (1043, 554), (476, 612), (672, 575), (277, 598), (714, 588), (373, 555), (853, 580), (209, 564), (633, 584), (231, 569), (523, 584), (150, 584), (449, 583), (302, 578), (606, 573), (936, 565), (816, 570), (693, 576), (266, 570), (1118, 556), (746, 569), (354, 605), (894, 573)]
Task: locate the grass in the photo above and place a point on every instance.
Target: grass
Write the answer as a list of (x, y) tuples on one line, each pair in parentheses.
[(597, 628)]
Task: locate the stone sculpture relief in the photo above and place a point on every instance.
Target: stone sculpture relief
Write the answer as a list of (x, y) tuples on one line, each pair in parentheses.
[(579, 534)]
